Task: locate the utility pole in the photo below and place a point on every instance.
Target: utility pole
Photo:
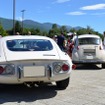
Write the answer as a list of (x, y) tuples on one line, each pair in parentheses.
[(22, 20), (13, 17)]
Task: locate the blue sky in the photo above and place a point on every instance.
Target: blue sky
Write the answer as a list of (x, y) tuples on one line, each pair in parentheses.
[(63, 12)]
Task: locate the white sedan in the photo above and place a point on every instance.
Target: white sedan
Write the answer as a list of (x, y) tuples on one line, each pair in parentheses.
[(90, 50), (33, 60)]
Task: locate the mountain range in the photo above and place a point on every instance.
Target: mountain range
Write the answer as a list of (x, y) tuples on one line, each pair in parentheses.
[(8, 24)]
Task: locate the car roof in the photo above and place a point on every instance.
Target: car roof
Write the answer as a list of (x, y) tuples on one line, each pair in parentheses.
[(24, 37), (88, 35)]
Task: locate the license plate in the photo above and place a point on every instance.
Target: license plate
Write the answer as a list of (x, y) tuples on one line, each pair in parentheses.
[(33, 71), (89, 57)]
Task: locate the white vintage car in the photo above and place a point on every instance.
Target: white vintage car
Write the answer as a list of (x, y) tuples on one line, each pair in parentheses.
[(33, 59), (90, 50)]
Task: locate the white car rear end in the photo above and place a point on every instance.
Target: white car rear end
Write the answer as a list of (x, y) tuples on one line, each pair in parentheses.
[(33, 59), (90, 50)]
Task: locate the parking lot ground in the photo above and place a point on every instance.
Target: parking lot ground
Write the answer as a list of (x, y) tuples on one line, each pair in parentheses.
[(87, 87)]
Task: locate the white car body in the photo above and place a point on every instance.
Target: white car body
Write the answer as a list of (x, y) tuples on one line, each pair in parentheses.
[(90, 50), (31, 66)]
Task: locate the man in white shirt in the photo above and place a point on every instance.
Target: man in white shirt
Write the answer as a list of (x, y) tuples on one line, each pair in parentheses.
[(75, 43), (75, 40)]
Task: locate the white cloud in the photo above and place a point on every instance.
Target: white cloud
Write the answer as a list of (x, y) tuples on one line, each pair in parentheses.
[(62, 1), (75, 13), (93, 7)]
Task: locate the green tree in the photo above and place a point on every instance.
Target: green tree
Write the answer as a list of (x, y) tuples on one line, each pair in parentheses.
[(54, 31), (37, 31), (73, 30), (18, 27), (89, 30), (2, 31), (51, 33), (82, 31), (54, 26), (63, 29), (44, 33)]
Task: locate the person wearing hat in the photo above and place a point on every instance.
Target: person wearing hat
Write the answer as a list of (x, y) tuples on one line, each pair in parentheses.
[(75, 42)]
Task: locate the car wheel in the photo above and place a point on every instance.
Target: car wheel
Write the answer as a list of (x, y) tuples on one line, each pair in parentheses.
[(63, 84), (103, 65)]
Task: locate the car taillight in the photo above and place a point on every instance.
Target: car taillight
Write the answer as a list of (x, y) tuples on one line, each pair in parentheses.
[(73, 66), (7, 69), (65, 67), (1, 69), (57, 68), (60, 67)]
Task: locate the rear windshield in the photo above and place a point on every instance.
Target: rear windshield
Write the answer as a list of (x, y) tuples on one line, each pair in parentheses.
[(29, 45), (84, 41)]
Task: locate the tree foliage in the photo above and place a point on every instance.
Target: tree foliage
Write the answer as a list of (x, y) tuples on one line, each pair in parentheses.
[(55, 30), (18, 27), (2, 31)]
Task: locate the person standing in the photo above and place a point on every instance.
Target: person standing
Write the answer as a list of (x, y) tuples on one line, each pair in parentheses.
[(55, 38), (75, 40), (61, 41), (104, 39), (70, 44)]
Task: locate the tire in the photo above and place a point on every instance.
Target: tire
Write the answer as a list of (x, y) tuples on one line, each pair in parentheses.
[(103, 65), (63, 84)]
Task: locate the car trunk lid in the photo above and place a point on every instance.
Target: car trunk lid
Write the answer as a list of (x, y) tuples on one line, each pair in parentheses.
[(88, 52), (31, 55)]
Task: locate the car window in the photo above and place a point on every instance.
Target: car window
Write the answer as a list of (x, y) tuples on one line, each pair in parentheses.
[(84, 41), (29, 45)]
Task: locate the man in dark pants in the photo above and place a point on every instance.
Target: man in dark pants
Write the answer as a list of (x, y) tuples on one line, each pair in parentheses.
[(61, 42)]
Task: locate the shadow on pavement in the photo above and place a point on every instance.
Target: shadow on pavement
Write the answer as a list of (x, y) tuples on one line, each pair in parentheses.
[(19, 93), (88, 67)]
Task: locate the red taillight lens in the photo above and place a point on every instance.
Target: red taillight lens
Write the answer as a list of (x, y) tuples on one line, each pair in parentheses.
[(1, 69), (73, 66), (65, 67)]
